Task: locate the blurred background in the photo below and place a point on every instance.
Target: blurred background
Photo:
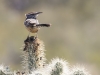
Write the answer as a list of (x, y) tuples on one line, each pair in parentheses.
[(74, 34)]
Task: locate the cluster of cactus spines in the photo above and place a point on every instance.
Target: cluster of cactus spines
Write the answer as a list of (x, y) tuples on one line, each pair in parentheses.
[(5, 70), (55, 67), (79, 70), (59, 67), (34, 57)]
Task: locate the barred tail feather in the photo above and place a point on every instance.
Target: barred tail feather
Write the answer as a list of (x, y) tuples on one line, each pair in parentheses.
[(43, 25)]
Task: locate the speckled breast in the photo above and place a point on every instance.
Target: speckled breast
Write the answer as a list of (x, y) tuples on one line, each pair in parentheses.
[(32, 29)]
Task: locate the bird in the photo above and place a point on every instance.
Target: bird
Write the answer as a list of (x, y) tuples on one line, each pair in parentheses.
[(32, 24)]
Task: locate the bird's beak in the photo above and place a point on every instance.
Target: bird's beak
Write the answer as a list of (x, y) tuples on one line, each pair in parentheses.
[(38, 13)]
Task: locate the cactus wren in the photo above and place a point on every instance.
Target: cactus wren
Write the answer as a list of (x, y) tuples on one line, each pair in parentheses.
[(31, 22)]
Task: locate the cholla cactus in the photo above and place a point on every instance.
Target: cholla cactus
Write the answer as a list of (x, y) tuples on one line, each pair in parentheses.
[(33, 62), (33, 57), (56, 67), (5, 70), (79, 70), (59, 67)]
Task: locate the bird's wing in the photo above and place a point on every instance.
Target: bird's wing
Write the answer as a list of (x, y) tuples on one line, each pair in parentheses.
[(31, 22)]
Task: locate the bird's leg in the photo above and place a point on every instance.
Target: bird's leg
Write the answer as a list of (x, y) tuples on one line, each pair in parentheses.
[(28, 34), (36, 34)]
